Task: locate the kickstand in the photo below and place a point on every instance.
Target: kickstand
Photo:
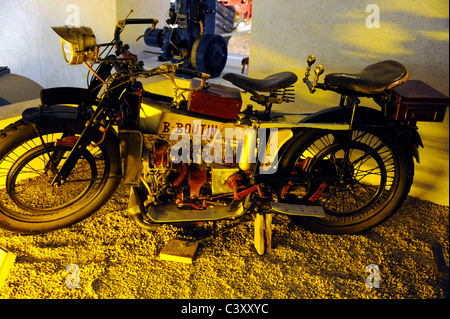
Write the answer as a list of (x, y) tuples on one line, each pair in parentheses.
[(263, 233), (216, 232)]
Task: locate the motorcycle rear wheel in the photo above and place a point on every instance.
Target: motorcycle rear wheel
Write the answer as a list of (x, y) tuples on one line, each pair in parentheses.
[(30, 202), (371, 178)]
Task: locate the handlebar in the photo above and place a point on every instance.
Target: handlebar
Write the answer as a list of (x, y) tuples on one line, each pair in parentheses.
[(141, 21), (122, 23), (169, 70), (192, 73)]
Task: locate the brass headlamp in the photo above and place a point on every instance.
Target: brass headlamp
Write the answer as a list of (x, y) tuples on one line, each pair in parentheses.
[(78, 44)]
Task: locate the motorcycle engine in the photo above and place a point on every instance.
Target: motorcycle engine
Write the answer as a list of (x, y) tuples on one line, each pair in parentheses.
[(191, 185), (158, 172)]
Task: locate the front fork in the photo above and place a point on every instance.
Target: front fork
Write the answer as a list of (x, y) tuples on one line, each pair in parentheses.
[(96, 123)]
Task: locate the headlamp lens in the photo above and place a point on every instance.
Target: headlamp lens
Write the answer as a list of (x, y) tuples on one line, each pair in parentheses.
[(78, 44), (67, 51)]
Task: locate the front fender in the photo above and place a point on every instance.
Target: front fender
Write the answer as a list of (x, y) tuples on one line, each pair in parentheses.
[(60, 103), (56, 112), (61, 115)]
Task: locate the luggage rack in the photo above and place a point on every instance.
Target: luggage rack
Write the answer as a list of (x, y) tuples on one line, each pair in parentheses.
[(414, 101)]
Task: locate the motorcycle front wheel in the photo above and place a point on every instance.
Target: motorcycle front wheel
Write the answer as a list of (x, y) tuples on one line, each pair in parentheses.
[(362, 177), (30, 198)]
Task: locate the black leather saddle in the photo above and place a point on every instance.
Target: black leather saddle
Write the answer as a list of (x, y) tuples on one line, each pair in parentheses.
[(271, 83), (373, 79)]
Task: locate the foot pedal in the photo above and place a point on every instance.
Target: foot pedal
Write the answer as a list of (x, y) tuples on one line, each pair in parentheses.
[(298, 210)]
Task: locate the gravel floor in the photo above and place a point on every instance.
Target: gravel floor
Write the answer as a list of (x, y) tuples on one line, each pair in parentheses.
[(117, 259)]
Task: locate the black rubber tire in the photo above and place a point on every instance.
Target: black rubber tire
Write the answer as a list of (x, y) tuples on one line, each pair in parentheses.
[(224, 19), (371, 216), (13, 136)]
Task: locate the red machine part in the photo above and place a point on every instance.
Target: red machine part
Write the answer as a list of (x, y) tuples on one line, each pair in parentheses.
[(240, 6), (68, 141), (182, 175), (162, 155), (181, 203), (197, 178), (303, 165), (227, 101), (318, 192), (234, 182)]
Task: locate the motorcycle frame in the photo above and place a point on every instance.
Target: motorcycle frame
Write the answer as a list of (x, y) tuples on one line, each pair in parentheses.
[(347, 116), (343, 118), (339, 118)]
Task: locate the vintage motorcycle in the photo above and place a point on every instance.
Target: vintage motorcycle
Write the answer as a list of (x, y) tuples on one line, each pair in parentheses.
[(342, 170)]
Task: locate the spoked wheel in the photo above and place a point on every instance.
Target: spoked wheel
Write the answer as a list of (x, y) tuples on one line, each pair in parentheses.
[(355, 178), (31, 183), (33, 198), (361, 179)]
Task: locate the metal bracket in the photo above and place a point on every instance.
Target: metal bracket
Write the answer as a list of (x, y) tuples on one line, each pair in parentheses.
[(130, 155)]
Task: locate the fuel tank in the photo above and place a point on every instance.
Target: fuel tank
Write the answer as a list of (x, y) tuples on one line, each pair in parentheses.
[(159, 118)]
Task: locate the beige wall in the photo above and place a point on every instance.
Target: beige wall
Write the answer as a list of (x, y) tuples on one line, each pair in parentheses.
[(414, 32), (31, 48)]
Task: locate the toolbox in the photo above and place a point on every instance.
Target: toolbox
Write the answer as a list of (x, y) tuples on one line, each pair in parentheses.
[(215, 100), (415, 101)]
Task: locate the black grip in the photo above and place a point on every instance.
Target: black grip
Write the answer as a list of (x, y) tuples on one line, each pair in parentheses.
[(139, 21), (190, 73), (131, 21)]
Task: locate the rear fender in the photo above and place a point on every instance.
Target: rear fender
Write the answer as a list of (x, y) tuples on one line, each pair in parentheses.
[(364, 117)]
